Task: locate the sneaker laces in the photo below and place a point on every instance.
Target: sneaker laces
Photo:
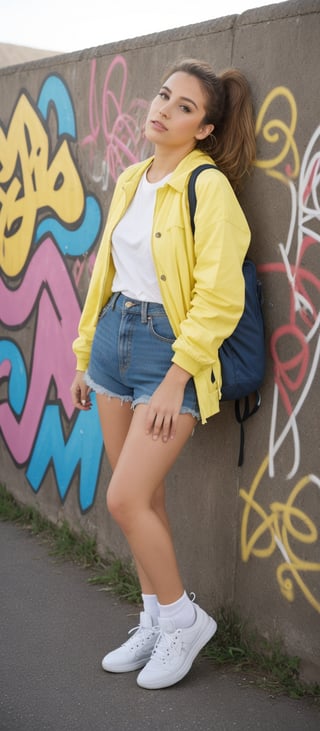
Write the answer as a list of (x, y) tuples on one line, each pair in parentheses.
[(142, 634), (166, 645)]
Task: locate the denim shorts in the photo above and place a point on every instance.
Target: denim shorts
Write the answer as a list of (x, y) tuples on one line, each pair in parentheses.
[(132, 352)]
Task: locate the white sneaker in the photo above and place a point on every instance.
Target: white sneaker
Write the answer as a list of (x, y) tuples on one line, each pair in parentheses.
[(175, 651), (136, 651)]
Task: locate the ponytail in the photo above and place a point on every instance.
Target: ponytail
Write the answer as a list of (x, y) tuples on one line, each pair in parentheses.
[(232, 145), (234, 148)]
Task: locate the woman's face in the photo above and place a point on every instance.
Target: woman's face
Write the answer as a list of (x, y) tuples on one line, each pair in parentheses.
[(176, 114)]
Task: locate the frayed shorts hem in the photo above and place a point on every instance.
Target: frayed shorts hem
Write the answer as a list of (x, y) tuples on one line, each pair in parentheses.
[(125, 398), (183, 410)]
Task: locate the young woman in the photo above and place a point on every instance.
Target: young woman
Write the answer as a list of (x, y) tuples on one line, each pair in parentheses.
[(159, 305)]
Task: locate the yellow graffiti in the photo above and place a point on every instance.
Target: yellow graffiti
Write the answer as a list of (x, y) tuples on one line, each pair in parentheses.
[(280, 135), (277, 529), (32, 181)]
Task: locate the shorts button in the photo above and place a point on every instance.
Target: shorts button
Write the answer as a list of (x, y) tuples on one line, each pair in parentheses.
[(158, 235), (163, 277)]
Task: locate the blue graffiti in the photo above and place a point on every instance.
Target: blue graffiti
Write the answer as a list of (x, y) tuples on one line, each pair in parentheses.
[(17, 384), (72, 242), (78, 241), (84, 448), (54, 92)]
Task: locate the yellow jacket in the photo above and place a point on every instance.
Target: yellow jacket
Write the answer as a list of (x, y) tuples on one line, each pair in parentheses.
[(200, 279)]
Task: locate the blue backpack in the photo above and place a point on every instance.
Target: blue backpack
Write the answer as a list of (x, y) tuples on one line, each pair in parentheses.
[(242, 355)]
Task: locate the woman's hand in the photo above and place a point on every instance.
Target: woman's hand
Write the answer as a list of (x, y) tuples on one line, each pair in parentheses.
[(165, 403), (80, 392)]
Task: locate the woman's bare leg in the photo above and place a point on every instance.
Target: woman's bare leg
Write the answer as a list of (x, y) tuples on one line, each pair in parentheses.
[(115, 419), (140, 470)]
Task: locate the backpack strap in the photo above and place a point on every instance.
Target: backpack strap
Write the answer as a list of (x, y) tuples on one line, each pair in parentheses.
[(192, 190), (242, 417)]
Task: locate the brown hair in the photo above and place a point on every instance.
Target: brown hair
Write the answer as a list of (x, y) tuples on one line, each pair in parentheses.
[(229, 108)]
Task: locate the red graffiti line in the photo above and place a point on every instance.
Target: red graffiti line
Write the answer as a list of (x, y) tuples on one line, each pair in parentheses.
[(290, 373), (47, 289)]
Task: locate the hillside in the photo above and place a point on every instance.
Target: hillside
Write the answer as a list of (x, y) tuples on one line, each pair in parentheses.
[(11, 54)]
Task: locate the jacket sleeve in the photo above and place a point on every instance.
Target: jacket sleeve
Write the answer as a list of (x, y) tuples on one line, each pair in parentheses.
[(221, 241), (98, 292), (97, 296)]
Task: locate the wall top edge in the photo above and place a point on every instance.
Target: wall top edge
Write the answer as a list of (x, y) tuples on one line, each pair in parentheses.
[(207, 27), (289, 8)]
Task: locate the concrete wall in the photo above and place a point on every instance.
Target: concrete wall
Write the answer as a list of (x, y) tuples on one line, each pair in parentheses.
[(69, 125)]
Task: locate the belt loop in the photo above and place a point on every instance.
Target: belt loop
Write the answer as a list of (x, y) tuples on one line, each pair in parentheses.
[(144, 312), (114, 299)]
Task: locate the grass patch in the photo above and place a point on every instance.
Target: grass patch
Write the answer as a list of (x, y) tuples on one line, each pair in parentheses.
[(62, 542), (121, 579), (111, 574), (234, 646), (242, 649)]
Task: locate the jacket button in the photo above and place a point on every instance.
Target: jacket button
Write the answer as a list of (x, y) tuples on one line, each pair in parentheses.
[(163, 277), (158, 235)]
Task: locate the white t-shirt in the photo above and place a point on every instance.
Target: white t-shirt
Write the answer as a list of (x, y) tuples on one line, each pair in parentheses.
[(131, 246)]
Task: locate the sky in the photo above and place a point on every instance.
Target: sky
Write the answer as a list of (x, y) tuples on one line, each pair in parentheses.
[(72, 25)]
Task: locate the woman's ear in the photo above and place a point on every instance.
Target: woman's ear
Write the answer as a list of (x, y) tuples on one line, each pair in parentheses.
[(204, 131)]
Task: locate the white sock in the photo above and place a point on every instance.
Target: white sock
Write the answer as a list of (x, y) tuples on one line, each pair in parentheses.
[(150, 606), (180, 612)]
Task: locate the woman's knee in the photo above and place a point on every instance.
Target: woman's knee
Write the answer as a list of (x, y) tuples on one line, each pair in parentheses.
[(115, 506), (120, 506), (158, 499)]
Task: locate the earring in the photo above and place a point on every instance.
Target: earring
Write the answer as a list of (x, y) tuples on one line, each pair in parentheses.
[(213, 140)]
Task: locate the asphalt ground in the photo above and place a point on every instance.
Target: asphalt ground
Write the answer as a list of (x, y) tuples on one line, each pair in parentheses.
[(55, 628)]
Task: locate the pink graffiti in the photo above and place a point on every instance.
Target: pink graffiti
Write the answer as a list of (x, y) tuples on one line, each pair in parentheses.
[(5, 367), (47, 289), (83, 266), (122, 129)]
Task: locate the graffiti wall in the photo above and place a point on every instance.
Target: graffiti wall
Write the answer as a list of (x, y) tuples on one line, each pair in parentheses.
[(61, 151), (50, 224), (287, 524)]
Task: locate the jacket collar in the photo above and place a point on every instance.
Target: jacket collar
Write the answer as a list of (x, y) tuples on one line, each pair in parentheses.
[(179, 175), (185, 167)]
